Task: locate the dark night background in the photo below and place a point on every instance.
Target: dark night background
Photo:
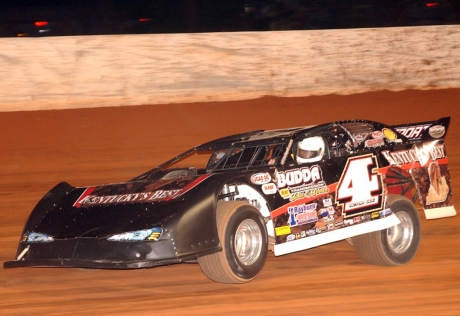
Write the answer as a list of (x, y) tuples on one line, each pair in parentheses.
[(92, 17)]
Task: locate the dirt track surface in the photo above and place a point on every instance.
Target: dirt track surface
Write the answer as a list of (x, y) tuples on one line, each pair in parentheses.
[(94, 146)]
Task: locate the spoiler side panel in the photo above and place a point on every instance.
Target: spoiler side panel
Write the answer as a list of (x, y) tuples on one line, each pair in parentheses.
[(429, 166)]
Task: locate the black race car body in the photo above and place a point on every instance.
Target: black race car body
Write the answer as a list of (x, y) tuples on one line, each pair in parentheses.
[(285, 190)]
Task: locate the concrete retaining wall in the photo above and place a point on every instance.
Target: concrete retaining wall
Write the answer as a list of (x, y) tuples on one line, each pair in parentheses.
[(95, 71)]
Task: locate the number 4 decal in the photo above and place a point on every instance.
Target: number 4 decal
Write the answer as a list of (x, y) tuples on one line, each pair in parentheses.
[(360, 186)]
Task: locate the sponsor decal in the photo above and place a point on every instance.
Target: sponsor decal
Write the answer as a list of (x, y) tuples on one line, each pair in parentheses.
[(401, 157), (302, 214), (323, 212), (294, 194), (302, 176), (338, 224), (156, 234), (291, 237), (439, 189), (303, 234), (412, 132), (360, 137), (385, 212), (261, 178), (330, 210), (437, 131), (283, 230), (137, 192), (390, 135), (269, 188), (348, 221), (320, 230), (88, 200), (309, 196), (285, 193), (330, 226), (375, 215), (327, 202), (415, 155), (372, 143), (311, 232), (377, 134), (432, 182)]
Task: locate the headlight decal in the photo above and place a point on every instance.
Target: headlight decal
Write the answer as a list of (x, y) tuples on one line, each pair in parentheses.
[(34, 237), (153, 234)]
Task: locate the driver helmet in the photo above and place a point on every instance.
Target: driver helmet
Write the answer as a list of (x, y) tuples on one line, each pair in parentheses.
[(310, 149)]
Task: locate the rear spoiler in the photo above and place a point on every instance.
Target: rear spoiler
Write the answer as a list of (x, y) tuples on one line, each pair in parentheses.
[(424, 130), (430, 172)]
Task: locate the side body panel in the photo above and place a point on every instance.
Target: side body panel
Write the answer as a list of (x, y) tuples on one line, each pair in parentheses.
[(345, 195)]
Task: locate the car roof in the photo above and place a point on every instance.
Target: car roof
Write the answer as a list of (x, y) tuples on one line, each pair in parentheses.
[(266, 137), (254, 138)]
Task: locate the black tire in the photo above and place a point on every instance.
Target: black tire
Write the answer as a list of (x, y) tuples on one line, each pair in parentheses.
[(237, 221), (396, 245)]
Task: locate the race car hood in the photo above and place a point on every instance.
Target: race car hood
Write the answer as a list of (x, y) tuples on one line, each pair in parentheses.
[(100, 211)]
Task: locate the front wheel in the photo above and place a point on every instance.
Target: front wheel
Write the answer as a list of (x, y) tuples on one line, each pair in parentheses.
[(396, 245), (243, 236)]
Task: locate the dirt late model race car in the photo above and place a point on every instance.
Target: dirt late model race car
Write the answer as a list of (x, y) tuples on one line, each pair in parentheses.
[(282, 190)]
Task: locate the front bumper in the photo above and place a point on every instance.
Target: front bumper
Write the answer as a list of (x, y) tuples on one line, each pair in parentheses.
[(69, 263), (99, 253)]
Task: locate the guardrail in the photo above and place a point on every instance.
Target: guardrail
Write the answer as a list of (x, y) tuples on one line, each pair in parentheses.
[(116, 70)]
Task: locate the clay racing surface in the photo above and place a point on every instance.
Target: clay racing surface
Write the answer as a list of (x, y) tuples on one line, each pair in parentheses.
[(105, 145)]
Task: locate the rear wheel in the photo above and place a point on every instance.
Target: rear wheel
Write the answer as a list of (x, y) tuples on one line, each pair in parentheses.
[(243, 237), (396, 245)]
